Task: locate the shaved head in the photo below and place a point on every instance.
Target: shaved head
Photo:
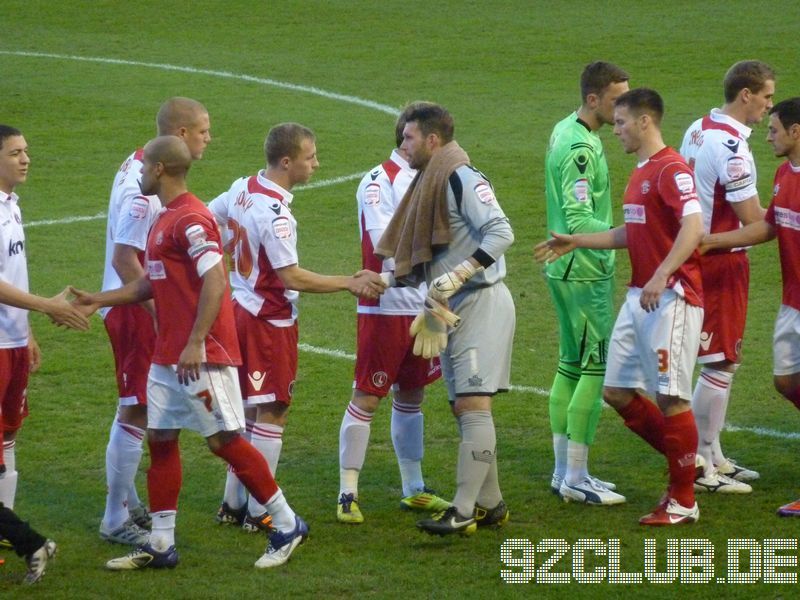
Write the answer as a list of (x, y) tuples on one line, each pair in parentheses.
[(171, 151), (177, 113)]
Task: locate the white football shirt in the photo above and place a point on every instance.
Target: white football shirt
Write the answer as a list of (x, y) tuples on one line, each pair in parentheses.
[(13, 271)]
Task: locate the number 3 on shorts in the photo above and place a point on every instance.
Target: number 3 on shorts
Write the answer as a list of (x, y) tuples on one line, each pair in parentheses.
[(663, 360)]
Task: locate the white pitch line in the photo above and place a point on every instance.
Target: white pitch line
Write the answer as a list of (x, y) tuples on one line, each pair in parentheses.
[(102, 215), (763, 432), (390, 110)]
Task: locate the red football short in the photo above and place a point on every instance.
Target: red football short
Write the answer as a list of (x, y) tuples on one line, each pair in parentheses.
[(133, 338), (384, 356), (14, 369), (726, 279), (269, 359)]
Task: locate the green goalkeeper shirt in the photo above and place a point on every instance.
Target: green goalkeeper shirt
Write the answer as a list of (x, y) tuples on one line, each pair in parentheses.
[(578, 194)]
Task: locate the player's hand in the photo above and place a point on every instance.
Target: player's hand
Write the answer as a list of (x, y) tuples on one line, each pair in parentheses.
[(188, 368), (651, 292), (34, 354), (448, 284), (62, 312), (429, 331), (554, 248), (366, 284)]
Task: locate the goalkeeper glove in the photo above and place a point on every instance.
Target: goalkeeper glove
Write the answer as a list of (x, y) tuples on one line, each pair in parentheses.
[(429, 330), (448, 284)]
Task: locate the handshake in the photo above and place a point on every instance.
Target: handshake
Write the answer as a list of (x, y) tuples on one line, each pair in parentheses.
[(429, 328)]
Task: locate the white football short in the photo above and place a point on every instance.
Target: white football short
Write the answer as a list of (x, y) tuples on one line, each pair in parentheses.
[(211, 404), (786, 342), (655, 351)]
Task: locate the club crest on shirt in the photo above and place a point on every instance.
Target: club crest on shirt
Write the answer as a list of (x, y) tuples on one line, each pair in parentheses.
[(372, 194), (776, 189), (634, 213), (645, 187), (484, 192), (581, 190), (282, 228)]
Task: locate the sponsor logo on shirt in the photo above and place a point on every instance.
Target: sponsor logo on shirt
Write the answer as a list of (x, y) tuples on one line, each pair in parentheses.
[(581, 190), (685, 182), (198, 240), (787, 218), (16, 247), (139, 207), (282, 228), (155, 270), (735, 167), (372, 195), (484, 192), (634, 213)]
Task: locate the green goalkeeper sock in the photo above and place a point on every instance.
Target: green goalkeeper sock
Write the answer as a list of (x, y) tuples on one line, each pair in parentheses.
[(583, 414), (561, 392)]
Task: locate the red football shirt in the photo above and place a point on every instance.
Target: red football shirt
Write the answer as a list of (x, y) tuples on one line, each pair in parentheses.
[(183, 244), (659, 194), (784, 215)]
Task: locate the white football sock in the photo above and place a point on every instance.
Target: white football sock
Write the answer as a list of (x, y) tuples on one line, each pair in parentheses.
[(560, 453), (163, 534), (577, 462), (268, 440), (353, 440), (8, 480), (709, 404), (123, 453), (407, 432), (281, 513)]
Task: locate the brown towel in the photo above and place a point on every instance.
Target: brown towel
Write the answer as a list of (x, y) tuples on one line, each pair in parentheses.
[(420, 221)]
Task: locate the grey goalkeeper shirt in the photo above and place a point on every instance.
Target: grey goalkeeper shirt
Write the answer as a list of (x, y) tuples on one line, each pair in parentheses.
[(476, 222)]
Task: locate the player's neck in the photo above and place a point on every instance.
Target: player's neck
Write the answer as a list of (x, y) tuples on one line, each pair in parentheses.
[(794, 157), (589, 117), (279, 176), (650, 146), (734, 110), (171, 190)]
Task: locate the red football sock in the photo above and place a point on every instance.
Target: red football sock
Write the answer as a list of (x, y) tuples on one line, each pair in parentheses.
[(680, 441), (646, 420), (164, 476), (250, 467), (794, 397)]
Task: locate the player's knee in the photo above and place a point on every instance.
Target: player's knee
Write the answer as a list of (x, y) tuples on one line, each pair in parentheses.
[(366, 402), (785, 385), (219, 440), (615, 397)]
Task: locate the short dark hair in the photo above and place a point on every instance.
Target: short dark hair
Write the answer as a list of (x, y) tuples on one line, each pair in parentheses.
[(431, 118), (178, 112), (750, 74), (402, 119), (285, 139), (788, 111), (6, 131), (643, 100), (597, 76)]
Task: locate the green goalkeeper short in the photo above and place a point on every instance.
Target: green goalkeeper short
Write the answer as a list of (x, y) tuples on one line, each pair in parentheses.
[(585, 311)]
